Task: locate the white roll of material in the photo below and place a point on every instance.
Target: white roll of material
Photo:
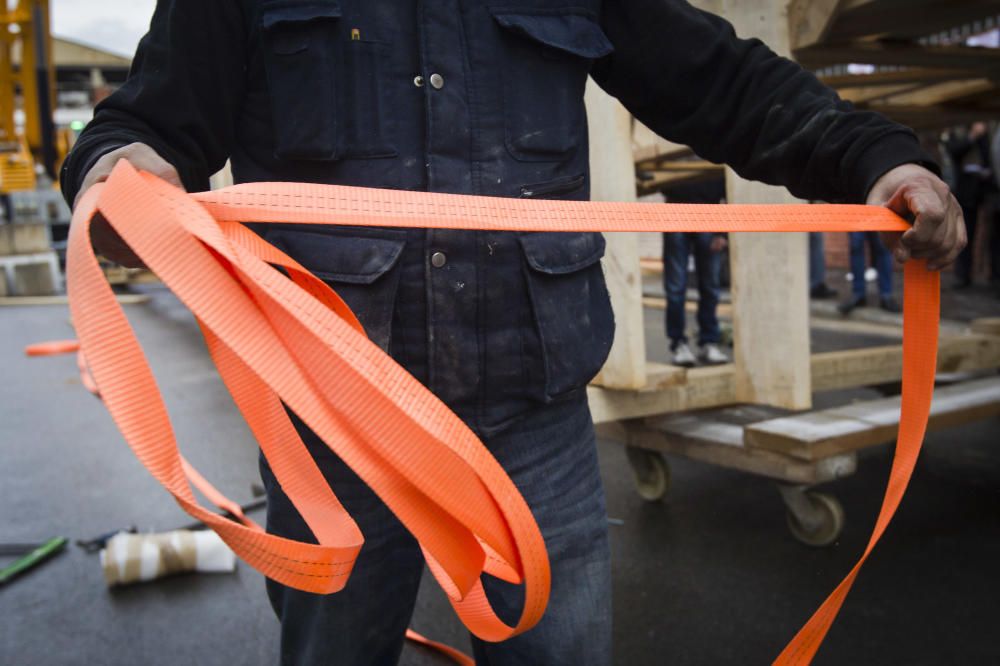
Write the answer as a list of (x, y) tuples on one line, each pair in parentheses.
[(134, 558)]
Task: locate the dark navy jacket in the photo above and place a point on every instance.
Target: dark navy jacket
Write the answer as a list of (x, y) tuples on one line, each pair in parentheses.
[(475, 97)]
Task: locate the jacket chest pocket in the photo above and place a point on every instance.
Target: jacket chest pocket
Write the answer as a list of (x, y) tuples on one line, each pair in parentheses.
[(548, 53), (363, 270), (571, 306), (324, 84)]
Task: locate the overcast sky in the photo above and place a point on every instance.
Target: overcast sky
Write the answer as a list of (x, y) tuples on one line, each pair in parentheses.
[(114, 25)]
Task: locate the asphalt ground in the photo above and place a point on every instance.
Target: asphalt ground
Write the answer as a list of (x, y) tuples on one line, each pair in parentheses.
[(710, 576)]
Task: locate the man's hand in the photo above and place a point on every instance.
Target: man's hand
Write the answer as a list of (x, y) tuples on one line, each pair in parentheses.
[(719, 243), (938, 232), (106, 240)]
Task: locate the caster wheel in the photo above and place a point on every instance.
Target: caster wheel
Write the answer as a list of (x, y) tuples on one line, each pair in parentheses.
[(651, 473), (824, 524)]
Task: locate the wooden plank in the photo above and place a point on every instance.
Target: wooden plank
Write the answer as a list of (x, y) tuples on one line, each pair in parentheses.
[(809, 21), (986, 326), (22, 301), (689, 165), (769, 271), (938, 116), (908, 19), (648, 146), (661, 375), (658, 181), (702, 388), (708, 387), (835, 431), (941, 93), (613, 179), (872, 366), (723, 310), (913, 75), (721, 444), (868, 94), (900, 54)]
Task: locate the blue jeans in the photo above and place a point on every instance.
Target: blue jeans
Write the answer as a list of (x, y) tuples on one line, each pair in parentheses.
[(676, 250), (817, 259), (881, 261), (552, 458)]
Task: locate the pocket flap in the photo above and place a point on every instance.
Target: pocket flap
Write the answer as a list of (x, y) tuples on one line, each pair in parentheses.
[(573, 30), (296, 11), (558, 253), (350, 259)]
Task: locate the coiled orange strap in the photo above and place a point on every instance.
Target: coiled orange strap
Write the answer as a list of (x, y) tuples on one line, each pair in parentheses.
[(294, 342)]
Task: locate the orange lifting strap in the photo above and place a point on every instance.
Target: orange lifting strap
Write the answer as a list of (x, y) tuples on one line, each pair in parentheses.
[(294, 342)]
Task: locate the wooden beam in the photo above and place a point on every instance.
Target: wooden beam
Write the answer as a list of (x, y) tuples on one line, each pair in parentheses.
[(719, 443), (668, 178), (986, 326), (769, 271), (840, 430), (907, 20), (904, 54), (704, 388), (915, 75), (942, 93), (647, 145), (867, 94), (612, 179), (935, 117), (689, 165), (809, 21)]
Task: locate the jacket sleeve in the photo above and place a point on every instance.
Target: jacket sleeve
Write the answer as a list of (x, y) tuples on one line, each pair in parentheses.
[(685, 74), (181, 97)]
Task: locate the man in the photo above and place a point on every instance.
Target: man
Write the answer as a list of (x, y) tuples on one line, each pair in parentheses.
[(473, 98), (881, 262), (707, 249), (970, 157)]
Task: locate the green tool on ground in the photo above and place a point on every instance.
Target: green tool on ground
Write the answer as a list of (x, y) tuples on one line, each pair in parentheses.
[(31, 556)]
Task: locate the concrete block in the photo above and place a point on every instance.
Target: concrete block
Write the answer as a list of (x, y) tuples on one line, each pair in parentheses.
[(33, 280), (29, 237)]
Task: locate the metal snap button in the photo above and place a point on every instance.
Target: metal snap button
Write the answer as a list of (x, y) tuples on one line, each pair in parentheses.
[(437, 81), (438, 259)]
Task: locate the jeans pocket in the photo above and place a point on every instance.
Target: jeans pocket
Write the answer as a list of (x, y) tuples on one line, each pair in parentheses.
[(360, 265), (571, 306)]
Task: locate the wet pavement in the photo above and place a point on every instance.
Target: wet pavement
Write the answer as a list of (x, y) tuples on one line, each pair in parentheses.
[(711, 576)]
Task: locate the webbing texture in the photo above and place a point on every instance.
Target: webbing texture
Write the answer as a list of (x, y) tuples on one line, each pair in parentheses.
[(294, 342)]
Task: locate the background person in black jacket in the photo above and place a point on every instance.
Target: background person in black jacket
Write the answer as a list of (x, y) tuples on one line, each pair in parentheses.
[(969, 150), (464, 96)]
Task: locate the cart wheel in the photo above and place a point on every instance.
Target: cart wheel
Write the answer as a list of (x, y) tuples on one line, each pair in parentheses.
[(824, 523), (650, 472)]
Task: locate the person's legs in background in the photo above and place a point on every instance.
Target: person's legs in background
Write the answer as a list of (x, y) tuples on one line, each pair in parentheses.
[(995, 246), (551, 456), (817, 268), (856, 241), (676, 249), (963, 265), (706, 263), (882, 261)]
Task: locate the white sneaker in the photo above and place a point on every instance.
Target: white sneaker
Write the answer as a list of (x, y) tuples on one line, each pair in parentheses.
[(712, 355), (683, 356)]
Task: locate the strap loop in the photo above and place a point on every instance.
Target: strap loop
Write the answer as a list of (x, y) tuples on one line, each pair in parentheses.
[(294, 342)]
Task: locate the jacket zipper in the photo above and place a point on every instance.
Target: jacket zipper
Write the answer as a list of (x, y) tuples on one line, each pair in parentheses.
[(552, 189)]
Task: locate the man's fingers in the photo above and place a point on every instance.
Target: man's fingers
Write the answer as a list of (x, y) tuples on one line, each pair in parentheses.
[(938, 232)]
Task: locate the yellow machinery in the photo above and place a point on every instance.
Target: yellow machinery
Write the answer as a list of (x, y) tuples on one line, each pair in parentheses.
[(25, 30)]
